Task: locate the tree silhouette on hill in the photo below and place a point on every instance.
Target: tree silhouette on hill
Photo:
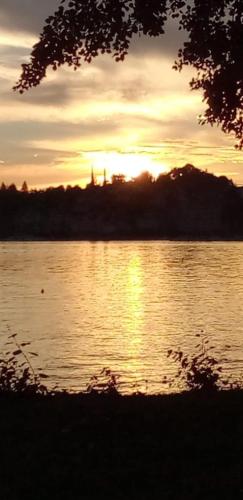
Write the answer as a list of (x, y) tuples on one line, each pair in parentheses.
[(183, 203)]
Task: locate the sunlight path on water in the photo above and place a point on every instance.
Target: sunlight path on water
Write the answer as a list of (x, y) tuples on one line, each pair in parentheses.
[(122, 305)]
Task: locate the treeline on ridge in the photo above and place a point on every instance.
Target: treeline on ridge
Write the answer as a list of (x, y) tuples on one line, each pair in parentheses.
[(184, 203)]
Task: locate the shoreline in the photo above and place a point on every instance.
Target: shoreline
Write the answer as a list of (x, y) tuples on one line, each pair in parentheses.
[(122, 239)]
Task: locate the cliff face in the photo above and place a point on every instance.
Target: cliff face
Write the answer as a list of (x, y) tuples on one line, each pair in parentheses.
[(184, 203)]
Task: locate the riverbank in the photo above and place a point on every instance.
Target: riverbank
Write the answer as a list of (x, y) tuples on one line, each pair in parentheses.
[(182, 446)]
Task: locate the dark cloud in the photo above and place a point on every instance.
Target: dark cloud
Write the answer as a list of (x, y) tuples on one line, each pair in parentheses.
[(25, 15), (49, 94), (135, 89), (16, 139), (69, 86), (166, 45), (35, 156), (29, 16), (33, 131)]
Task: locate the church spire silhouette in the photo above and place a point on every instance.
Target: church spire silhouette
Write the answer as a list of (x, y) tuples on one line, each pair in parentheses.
[(92, 182), (92, 179), (105, 179)]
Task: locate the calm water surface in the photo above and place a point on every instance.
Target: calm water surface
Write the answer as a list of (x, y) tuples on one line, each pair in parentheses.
[(121, 305)]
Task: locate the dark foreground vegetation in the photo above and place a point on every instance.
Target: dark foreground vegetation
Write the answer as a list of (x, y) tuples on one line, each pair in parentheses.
[(99, 444), (183, 447), (184, 203)]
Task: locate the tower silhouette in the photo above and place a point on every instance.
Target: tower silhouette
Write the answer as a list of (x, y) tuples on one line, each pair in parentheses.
[(105, 179), (92, 179)]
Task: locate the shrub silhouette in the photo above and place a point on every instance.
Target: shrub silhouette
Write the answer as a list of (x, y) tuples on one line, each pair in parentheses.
[(106, 382), (200, 371), (17, 374)]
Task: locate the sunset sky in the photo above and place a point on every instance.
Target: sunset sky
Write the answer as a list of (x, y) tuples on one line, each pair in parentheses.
[(125, 117)]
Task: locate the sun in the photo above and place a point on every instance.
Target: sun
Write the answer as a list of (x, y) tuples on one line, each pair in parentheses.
[(129, 164)]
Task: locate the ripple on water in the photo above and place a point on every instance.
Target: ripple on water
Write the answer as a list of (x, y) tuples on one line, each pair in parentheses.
[(121, 305)]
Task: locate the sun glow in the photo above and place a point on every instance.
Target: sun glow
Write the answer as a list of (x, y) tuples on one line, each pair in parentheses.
[(129, 164)]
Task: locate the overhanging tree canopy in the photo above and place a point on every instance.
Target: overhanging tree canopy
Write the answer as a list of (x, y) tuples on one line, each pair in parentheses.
[(80, 30)]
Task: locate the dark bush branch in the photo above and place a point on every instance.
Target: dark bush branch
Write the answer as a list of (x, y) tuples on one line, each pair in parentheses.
[(17, 374)]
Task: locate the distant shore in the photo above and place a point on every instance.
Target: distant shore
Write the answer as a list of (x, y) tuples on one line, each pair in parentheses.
[(175, 447), (184, 204), (122, 239)]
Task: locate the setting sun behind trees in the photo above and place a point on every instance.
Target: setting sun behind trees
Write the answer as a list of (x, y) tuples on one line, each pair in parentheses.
[(129, 164)]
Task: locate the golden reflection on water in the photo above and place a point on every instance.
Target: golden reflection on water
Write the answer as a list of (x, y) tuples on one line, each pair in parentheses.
[(133, 303), (133, 297), (121, 305)]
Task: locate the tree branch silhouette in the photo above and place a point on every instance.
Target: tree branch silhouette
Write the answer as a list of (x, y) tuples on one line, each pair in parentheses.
[(80, 30)]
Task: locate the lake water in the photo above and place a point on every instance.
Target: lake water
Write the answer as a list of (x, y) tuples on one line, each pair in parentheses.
[(121, 305)]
